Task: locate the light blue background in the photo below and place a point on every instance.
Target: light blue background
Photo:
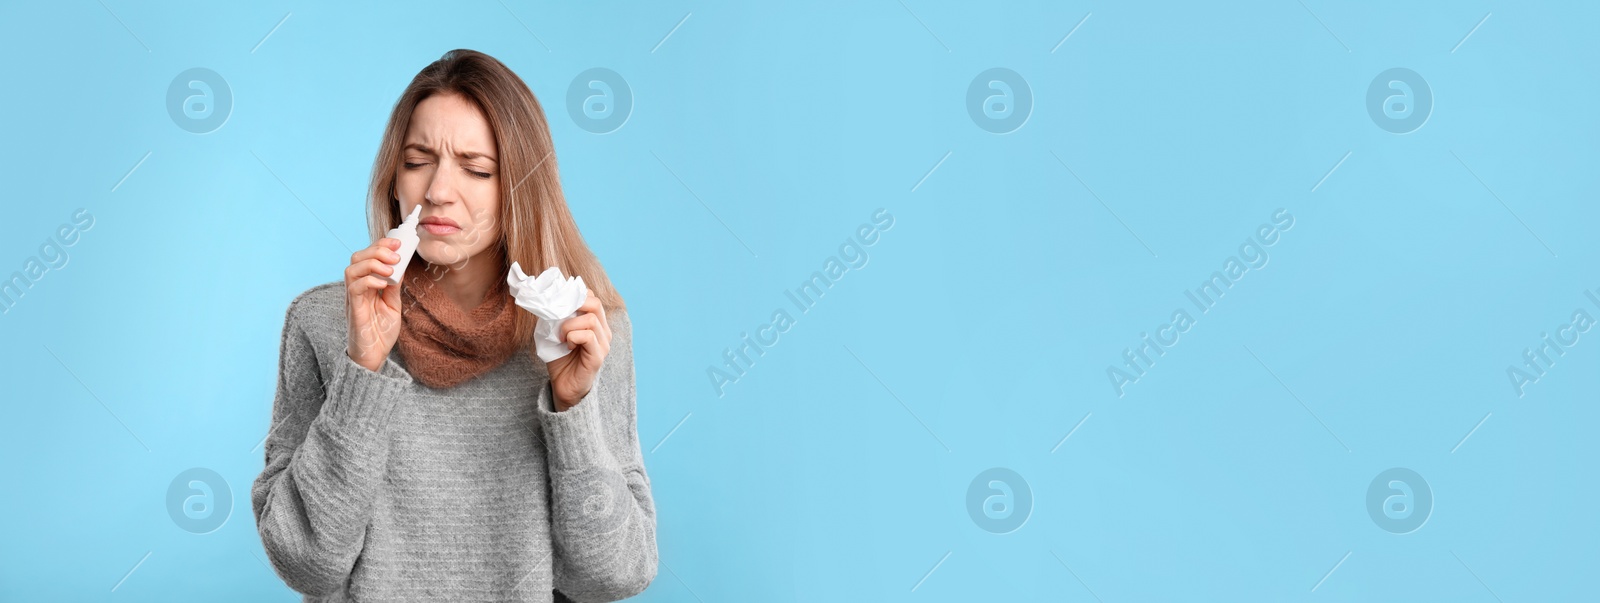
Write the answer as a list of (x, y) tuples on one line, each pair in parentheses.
[(991, 309)]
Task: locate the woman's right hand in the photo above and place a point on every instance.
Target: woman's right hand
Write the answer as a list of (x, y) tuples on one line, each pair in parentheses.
[(373, 303)]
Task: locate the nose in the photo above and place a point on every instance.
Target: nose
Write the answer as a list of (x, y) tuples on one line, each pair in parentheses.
[(442, 188)]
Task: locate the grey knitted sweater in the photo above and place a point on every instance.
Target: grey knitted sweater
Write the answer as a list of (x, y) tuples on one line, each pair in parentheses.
[(379, 488)]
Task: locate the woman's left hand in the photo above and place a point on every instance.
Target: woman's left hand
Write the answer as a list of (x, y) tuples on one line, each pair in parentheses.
[(589, 336)]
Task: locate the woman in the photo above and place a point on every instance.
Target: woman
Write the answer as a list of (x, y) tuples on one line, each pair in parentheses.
[(419, 449)]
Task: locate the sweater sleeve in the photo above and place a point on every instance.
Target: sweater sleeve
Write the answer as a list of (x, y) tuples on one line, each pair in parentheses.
[(325, 456), (603, 518)]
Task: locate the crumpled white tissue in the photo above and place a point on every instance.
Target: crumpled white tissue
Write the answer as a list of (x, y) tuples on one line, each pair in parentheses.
[(554, 299), (407, 233)]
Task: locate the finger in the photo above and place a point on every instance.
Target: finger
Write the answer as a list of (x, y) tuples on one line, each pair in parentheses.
[(586, 339), (381, 250), (366, 267), (605, 326), (581, 322), (578, 338), (587, 336), (367, 284), (604, 330), (592, 304), (391, 296), (596, 324)]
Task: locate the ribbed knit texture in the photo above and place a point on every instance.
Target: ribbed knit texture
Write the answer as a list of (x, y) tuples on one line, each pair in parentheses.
[(380, 488), (443, 345)]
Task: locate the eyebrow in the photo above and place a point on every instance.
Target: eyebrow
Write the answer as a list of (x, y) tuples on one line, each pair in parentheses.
[(464, 155)]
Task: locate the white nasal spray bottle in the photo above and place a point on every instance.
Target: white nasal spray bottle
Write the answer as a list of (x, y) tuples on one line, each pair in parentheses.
[(407, 233)]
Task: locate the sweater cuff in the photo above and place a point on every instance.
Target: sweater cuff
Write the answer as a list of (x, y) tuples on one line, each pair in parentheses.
[(574, 438), (360, 400)]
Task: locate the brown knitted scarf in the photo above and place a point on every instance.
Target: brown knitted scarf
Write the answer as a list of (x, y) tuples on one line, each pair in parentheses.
[(443, 346)]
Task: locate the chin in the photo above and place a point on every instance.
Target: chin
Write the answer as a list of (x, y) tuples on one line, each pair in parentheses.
[(439, 253)]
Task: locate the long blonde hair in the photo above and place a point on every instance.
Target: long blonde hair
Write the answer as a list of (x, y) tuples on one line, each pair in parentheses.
[(536, 228)]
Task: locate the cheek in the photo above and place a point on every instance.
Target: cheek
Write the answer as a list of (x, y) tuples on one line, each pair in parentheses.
[(485, 215), (409, 186), (488, 226), (481, 234)]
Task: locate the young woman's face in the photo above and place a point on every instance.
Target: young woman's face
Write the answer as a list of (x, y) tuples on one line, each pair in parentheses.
[(448, 165)]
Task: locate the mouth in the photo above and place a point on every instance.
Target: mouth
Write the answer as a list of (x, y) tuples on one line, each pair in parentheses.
[(437, 229), (438, 226)]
